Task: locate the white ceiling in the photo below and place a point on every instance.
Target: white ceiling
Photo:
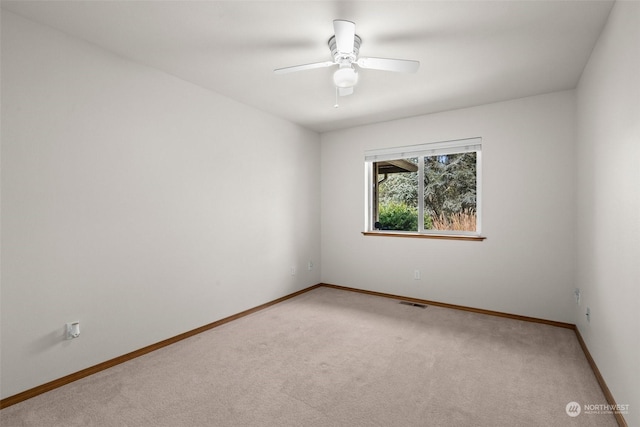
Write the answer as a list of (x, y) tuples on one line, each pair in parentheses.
[(471, 53)]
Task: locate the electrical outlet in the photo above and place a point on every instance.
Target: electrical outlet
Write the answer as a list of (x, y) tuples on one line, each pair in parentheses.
[(293, 271), (72, 330), (578, 295), (416, 274), (310, 265), (588, 315)]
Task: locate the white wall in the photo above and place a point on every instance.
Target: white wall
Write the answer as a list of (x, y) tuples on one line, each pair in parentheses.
[(525, 266), (608, 205), (139, 204)]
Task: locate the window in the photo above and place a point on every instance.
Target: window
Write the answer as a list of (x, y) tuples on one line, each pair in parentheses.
[(430, 189)]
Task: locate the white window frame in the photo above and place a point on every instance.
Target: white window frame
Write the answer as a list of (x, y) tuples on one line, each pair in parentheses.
[(421, 151)]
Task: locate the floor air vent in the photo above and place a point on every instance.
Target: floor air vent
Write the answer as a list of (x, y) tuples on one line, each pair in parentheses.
[(414, 304)]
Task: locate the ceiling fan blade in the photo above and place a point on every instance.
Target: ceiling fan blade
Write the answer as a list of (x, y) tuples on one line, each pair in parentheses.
[(345, 32), (385, 64), (303, 67), (344, 91)]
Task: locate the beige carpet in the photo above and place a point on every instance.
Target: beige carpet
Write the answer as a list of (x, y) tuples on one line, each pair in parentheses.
[(337, 358)]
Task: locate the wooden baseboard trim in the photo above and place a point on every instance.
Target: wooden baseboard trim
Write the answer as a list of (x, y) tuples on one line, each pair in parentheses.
[(603, 385), (28, 394), (456, 307)]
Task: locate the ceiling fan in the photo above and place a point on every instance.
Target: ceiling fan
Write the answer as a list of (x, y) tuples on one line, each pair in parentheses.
[(344, 46)]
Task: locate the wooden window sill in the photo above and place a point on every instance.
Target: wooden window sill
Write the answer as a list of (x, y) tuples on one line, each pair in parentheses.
[(424, 236)]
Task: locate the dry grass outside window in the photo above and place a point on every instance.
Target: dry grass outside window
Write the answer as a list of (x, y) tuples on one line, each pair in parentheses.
[(459, 221)]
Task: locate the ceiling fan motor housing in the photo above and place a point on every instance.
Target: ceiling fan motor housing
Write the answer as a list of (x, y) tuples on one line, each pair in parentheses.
[(345, 57)]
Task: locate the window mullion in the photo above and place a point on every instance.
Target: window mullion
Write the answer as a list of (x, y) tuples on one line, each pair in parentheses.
[(421, 194)]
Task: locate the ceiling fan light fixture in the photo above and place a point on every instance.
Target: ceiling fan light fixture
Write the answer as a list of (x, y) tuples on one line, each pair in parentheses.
[(345, 77)]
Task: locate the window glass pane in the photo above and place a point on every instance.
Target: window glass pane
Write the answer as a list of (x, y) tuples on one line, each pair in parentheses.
[(450, 192), (397, 204)]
